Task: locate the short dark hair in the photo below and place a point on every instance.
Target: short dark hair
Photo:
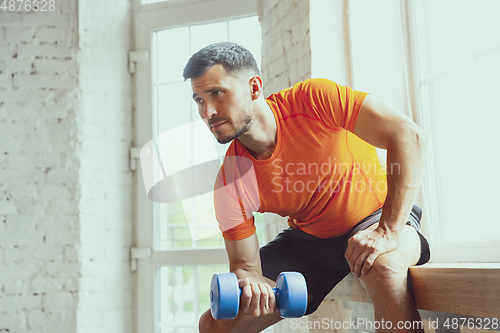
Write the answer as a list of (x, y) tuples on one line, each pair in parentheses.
[(233, 57)]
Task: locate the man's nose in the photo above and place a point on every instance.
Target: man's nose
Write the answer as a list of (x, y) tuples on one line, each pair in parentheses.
[(209, 110)]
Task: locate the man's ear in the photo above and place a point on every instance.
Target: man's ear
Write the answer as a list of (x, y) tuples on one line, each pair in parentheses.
[(255, 87)]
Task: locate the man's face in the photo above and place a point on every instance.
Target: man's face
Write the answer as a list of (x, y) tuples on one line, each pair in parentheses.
[(224, 102)]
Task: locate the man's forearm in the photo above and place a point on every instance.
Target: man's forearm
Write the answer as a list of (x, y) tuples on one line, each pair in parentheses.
[(405, 169), (257, 298), (244, 257)]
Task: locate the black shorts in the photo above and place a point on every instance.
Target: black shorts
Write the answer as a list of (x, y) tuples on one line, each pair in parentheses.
[(321, 260)]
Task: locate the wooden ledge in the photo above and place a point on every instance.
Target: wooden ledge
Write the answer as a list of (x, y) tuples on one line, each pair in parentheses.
[(467, 289)]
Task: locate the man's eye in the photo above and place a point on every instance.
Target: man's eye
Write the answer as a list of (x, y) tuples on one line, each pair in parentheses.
[(216, 93), (198, 100)]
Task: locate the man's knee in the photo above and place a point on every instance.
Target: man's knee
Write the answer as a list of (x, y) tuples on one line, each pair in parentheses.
[(392, 267), (387, 272), (207, 323)]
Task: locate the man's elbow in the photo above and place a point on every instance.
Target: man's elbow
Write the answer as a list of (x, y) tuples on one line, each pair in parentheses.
[(412, 137), (421, 139), (417, 140)]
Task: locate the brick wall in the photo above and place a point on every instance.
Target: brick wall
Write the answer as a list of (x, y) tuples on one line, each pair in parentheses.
[(39, 227), (65, 129), (286, 56)]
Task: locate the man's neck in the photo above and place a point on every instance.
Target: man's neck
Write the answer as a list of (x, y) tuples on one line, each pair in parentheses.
[(260, 140)]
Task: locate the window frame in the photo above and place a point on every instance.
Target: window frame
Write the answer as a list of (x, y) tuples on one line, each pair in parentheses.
[(148, 18)]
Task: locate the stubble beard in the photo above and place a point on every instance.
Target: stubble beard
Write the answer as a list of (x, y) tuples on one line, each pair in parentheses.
[(246, 120)]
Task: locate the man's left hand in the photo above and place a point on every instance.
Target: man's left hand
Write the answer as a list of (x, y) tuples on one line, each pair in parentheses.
[(365, 246)]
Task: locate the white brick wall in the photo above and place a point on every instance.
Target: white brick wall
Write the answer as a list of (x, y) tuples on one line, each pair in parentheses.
[(286, 56), (34, 237), (65, 187)]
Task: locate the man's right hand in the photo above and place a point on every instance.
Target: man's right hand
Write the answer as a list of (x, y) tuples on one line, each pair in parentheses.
[(257, 297)]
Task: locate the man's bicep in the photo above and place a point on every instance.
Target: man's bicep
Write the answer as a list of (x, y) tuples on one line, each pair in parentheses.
[(380, 123)]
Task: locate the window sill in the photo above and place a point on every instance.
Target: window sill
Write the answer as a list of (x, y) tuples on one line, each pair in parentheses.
[(468, 289)]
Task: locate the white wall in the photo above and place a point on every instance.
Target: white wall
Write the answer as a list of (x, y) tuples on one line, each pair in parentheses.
[(104, 126), (65, 187)]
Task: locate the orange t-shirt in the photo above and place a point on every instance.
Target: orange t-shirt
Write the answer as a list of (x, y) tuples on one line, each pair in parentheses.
[(320, 175)]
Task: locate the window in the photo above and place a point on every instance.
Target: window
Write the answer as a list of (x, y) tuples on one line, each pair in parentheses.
[(186, 247), (458, 69), (174, 107), (437, 61), (183, 225)]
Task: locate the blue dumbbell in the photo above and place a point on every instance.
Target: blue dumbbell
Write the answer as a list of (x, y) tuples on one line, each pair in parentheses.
[(290, 293)]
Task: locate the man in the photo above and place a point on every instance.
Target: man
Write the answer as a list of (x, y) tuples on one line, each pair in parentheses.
[(312, 149)]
